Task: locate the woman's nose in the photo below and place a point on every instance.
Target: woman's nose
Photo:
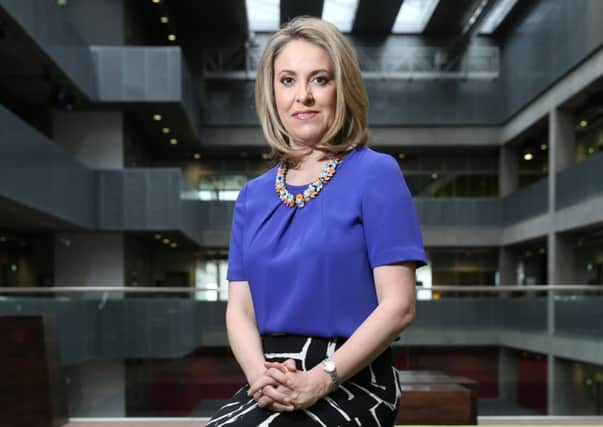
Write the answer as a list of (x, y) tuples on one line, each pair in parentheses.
[(304, 95)]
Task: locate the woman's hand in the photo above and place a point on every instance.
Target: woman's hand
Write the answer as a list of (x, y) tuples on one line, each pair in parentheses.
[(308, 387), (270, 389)]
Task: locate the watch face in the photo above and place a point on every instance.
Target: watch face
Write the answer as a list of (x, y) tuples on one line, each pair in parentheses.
[(329, 366)]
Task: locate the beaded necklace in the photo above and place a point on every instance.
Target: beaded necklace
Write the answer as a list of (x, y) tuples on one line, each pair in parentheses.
[(310, 192)]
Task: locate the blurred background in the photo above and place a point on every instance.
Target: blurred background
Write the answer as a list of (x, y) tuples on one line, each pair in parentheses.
[(128, 127)]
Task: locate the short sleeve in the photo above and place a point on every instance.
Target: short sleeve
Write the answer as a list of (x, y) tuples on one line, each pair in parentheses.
[(390, 222), (236, 270)]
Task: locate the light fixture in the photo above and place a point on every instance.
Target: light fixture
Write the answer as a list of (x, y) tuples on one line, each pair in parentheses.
[(173, 141), (157, 117), (340, 13), (156, 1), (165, 130), (414, 15), (174, 245), (496, 15), (543, 147), (166, 241), (583, 123), (164, 19), (157, 236), (401, 156), (434, 175), (197, 156), (263, 15), (528, 156), (171, 37), (591, 150)]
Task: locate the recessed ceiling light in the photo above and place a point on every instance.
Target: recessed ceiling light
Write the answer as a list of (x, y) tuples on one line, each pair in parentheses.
[(156, 1), (172, 37), (164, 19), (157, 236), (157, 117), (340, 13), (414, 15), (263, 15), (543, 147), (583, 123), (197, 156), (173, 141), (401, 156), (166, 241), (174, 245), (165, 130), (434, 175), (528, 156)]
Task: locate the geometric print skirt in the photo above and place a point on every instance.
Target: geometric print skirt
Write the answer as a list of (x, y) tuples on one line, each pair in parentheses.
[(369, 398)]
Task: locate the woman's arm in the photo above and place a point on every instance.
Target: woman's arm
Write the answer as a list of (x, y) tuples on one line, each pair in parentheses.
[(395, 286), (246, 346)]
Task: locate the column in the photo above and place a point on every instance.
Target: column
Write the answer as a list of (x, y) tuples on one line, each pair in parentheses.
[(562, 147), (508, 170)]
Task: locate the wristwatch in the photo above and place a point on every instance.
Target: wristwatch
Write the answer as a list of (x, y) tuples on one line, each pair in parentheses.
[(331, 370)]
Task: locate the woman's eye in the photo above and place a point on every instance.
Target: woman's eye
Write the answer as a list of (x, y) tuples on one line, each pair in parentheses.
[(286, 81), (321, 80)]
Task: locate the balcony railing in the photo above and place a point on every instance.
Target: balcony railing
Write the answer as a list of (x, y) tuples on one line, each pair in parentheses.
[(163, 352)]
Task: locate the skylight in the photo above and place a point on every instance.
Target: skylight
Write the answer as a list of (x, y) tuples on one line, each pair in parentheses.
[(414, 16), (263, 15), (340, 13), (496, 15)]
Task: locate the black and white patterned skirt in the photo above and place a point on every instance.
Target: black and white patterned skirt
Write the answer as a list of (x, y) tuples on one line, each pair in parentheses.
[(369, 398)]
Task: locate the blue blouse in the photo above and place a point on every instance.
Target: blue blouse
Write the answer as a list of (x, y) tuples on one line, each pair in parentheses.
[(310, 269)]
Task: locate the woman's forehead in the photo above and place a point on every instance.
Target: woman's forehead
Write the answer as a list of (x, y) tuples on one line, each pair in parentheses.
[(303, 56)]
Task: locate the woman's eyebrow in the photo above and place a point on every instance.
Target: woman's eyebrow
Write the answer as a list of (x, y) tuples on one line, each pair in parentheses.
[(321, 70)]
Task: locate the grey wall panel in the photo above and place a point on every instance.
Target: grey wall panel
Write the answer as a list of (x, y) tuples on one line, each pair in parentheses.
[(458, 211), (135, 196), (39, 174), (545, 42), (526, 203), (110, 200), (580, 182), (46, 23), (138, 74), (140, 199)]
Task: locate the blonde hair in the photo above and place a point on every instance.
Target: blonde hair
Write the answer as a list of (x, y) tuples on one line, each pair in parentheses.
[(349, 128)]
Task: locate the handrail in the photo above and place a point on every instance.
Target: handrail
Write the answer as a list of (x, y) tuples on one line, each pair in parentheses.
[(160, 289)]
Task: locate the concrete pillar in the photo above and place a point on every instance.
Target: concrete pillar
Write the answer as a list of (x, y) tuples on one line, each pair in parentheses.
[(507, 376), (95, 138), (97, 388), (562, 154), (507, 266), (508, 170)]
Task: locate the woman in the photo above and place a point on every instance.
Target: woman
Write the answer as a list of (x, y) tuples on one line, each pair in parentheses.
[(323, 248)]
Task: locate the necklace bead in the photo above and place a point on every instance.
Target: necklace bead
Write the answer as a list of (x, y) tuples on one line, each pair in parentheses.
[(299, 200)]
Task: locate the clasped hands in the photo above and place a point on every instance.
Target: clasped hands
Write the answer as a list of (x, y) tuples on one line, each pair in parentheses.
[(282, 388)]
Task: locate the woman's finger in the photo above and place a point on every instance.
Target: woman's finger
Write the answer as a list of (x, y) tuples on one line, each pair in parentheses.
[(276, 395), (260, 383), (277, 375), (276, 365), (290, 365), (279, 407)]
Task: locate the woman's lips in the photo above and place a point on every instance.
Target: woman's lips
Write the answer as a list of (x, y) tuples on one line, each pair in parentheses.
[(305, 115)]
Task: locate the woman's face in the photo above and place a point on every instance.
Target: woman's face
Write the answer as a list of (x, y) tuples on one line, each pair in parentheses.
[(304, 91)]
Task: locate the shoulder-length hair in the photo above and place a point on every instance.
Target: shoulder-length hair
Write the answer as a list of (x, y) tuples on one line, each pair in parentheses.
[(349, 128)]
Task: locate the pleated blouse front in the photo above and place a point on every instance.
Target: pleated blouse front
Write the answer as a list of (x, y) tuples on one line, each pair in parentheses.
[(310, 269)]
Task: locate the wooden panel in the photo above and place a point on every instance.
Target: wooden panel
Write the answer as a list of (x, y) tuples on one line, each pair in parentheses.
[(448, 404), (31, 380)]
